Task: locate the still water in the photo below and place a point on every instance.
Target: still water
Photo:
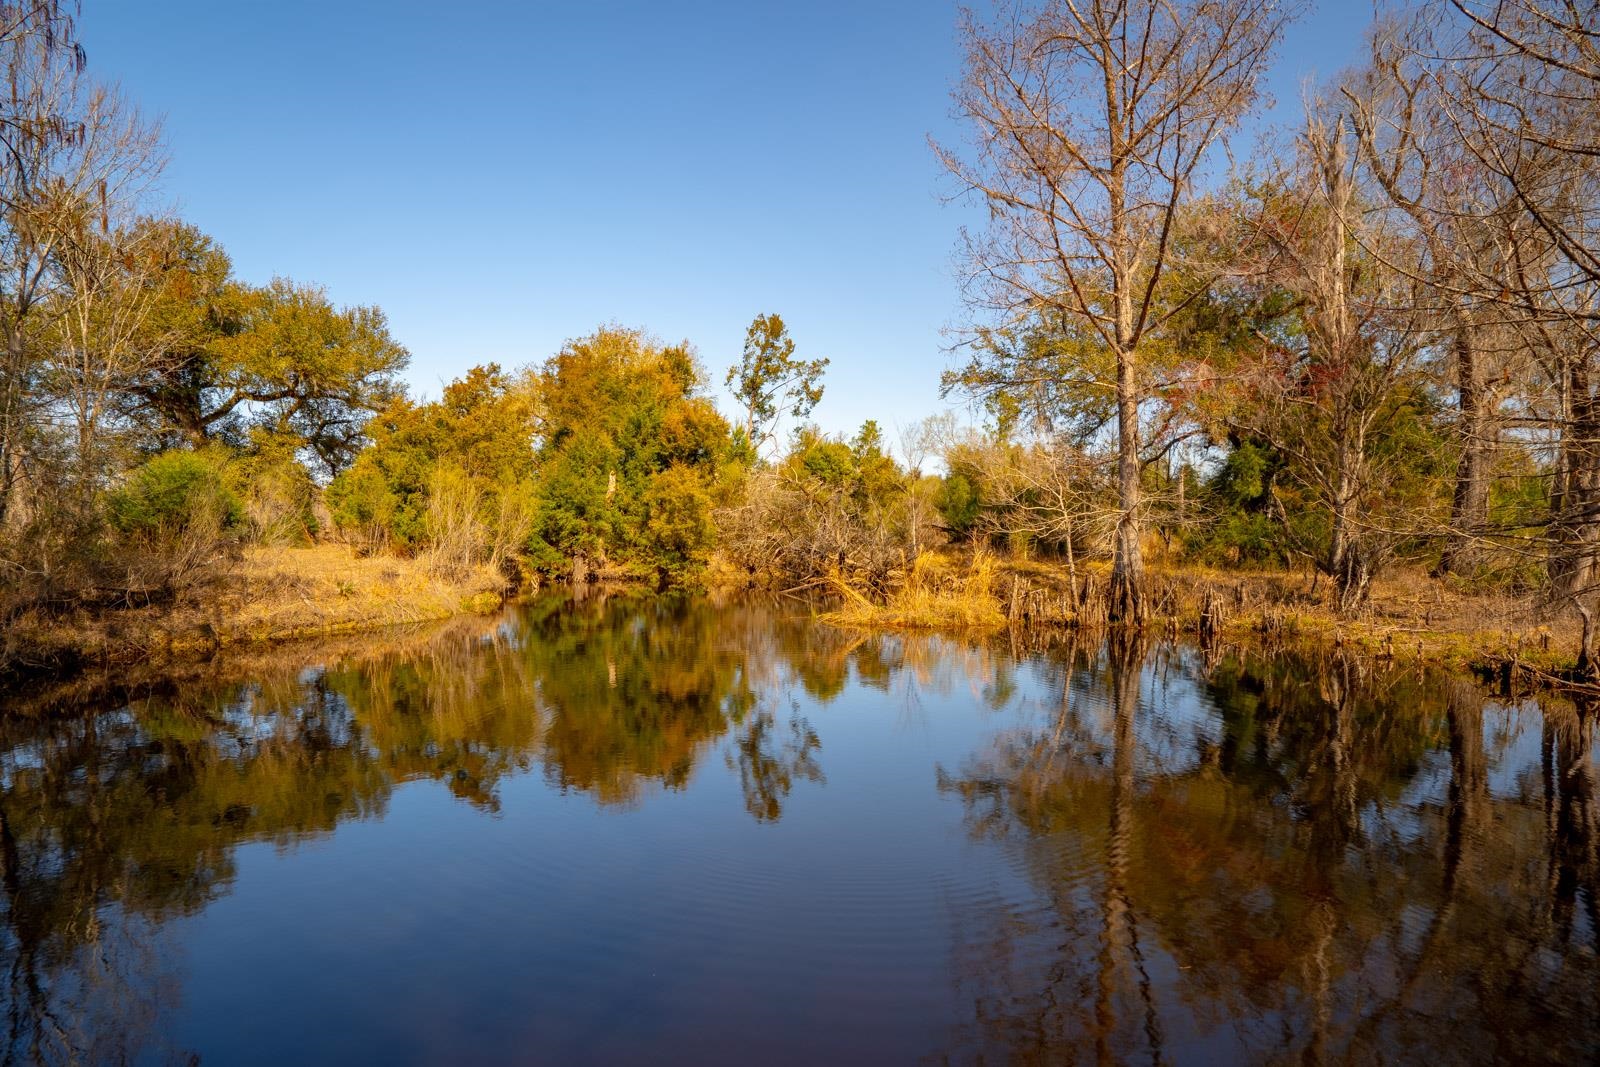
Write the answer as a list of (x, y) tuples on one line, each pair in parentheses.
[(655, 831)]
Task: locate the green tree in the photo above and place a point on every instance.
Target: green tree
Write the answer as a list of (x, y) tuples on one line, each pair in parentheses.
[(225, 356), (631, 458), (770, 381), (482, 429), (958, 502)]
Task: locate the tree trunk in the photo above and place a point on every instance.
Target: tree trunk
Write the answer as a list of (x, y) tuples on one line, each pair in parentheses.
[(1127, 602), (1469, 508), (11, 419), (1586, 664), (1348, 565), (1575, 531)]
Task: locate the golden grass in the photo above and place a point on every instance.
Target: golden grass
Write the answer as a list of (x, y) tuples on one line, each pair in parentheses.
[(267, 595), (1413, 616), (932, 595), (1410, 615), (281, 593)]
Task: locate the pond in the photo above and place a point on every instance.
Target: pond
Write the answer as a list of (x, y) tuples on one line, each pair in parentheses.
[(630, 831)]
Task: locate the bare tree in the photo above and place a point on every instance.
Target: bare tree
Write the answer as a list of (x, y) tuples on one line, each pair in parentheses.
[(1518, 84), (42, 59), (1094, 122), (1464, 223), (103, 262), (1335, 395), (1526, 79)]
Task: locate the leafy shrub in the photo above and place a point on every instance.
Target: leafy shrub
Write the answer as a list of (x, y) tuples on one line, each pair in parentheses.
[(679, 527), (958, 503), (364, 507), (1239, 526), (279, 496), (176, 515), (173, 494), (1238, 537)]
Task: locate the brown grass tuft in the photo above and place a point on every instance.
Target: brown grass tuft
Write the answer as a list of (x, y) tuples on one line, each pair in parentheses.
[(933, 595)]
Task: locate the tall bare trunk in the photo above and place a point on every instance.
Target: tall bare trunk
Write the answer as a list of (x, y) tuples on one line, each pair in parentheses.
[(12, 396), (1127, 567), (1348, 564), (1575, 501), (1127, 605), (1469, 507)]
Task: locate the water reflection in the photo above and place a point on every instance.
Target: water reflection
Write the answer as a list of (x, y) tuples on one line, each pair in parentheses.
[(1307, 879), (1160, 856)]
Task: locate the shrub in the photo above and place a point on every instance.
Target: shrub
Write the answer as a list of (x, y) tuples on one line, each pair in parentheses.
[(173, 494), (458, 540), (679, 526), (364, 507), (826, 507), (280, 498), (176, 515), (958, 503)]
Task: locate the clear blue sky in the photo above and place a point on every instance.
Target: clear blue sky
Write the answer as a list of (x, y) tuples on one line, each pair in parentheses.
[(501, 176)]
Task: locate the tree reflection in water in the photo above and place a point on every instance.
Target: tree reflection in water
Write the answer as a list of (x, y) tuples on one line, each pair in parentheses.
[(1245, 857), (1305, 881), (113, 821)]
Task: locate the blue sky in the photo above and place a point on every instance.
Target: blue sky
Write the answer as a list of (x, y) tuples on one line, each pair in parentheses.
[(500, 177)]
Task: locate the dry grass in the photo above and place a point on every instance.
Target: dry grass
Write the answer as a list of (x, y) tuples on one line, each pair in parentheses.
[(294, 592), (937, 592), (269, 594), (1410, 615)]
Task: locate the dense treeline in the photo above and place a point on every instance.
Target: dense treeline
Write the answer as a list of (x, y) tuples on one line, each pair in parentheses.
[(1375, 345), (153, 407), (607, 452)]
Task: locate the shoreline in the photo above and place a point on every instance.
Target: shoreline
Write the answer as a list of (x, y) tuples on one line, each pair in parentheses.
[(275, 597), (264, 598), (1410, 617)]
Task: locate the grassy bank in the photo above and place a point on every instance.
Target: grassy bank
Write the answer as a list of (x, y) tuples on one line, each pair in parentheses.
[(266, 595), (273, 595), (170, 677), (1410, 615)]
